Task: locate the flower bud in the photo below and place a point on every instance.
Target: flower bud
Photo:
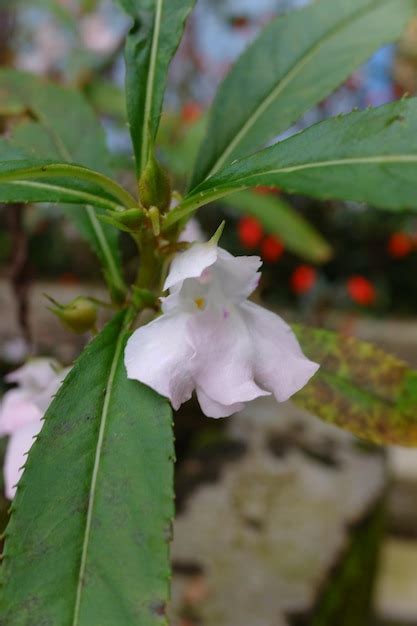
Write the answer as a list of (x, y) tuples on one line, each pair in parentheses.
[(80, 315), (154, 186)]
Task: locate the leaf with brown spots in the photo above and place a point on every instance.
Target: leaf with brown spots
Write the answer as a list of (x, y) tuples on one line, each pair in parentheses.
[(360, 388)]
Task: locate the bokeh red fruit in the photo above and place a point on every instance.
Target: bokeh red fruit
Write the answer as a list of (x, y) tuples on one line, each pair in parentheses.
[(191, 112), (272, 249), (399, 245), (361, 290), (265, 190), (240, 22), (250, 232), (303, 279)]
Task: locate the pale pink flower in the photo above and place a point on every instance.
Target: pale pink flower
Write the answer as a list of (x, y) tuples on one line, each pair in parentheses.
[(97, 34), (21, 412), (192, 232), (211, 339)]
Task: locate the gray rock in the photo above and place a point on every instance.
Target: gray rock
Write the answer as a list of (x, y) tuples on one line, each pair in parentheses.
[(259, 544), (396, 597)]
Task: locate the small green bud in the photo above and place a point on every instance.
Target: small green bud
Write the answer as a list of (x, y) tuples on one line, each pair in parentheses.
[(80, 315), (154, 216), (154, 186)]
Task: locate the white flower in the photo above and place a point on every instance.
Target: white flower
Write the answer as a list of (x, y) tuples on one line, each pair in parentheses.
[(192, 232), (211, 339), (22, 410)]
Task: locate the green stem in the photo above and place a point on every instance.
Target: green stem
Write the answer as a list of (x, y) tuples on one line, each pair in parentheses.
[(113, 269), (102, 303), (150, 266), (73, 171), (194, 202)]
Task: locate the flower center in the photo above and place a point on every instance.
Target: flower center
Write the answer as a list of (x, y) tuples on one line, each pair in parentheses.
[(200, 303)]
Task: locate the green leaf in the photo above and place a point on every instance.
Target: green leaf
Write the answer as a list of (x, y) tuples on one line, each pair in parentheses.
[(150, 46), (57, 123), (360, 388), (106, 98), (37, 180), (88, 539), (281, 219), (368, 156), (296, 62)]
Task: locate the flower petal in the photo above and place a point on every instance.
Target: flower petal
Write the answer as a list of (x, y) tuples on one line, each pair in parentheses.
[(191, 263), (192, 232), (215, 409), (222, 366), (159, 356), (239, 275), (18, 445), (279, 362), (17, 410), (35, 374), (44, 398)]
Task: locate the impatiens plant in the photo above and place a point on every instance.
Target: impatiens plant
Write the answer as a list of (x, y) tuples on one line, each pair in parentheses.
[(88, 539)]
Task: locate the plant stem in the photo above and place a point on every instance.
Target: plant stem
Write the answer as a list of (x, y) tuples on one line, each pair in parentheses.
[(113, 269), (194, 202), (150, 266)]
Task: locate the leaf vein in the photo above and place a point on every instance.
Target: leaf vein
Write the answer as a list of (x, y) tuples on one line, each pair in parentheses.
[(96, 468), (151, 82), (78, 195)]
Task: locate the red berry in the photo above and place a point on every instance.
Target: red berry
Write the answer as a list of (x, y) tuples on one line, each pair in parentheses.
[(68, 278), (250, 232), (303, 279), (271, 249), (399, 91), (240, 21), (191, 112), (361, 290), (399, 245), (265, 190)]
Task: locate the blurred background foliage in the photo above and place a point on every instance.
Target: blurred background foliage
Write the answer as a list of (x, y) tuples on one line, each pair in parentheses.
[(317, 255)]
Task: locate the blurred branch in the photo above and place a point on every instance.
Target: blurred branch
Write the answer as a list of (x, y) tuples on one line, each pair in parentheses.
[(19, 274), (7, 24), (18, 271)]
